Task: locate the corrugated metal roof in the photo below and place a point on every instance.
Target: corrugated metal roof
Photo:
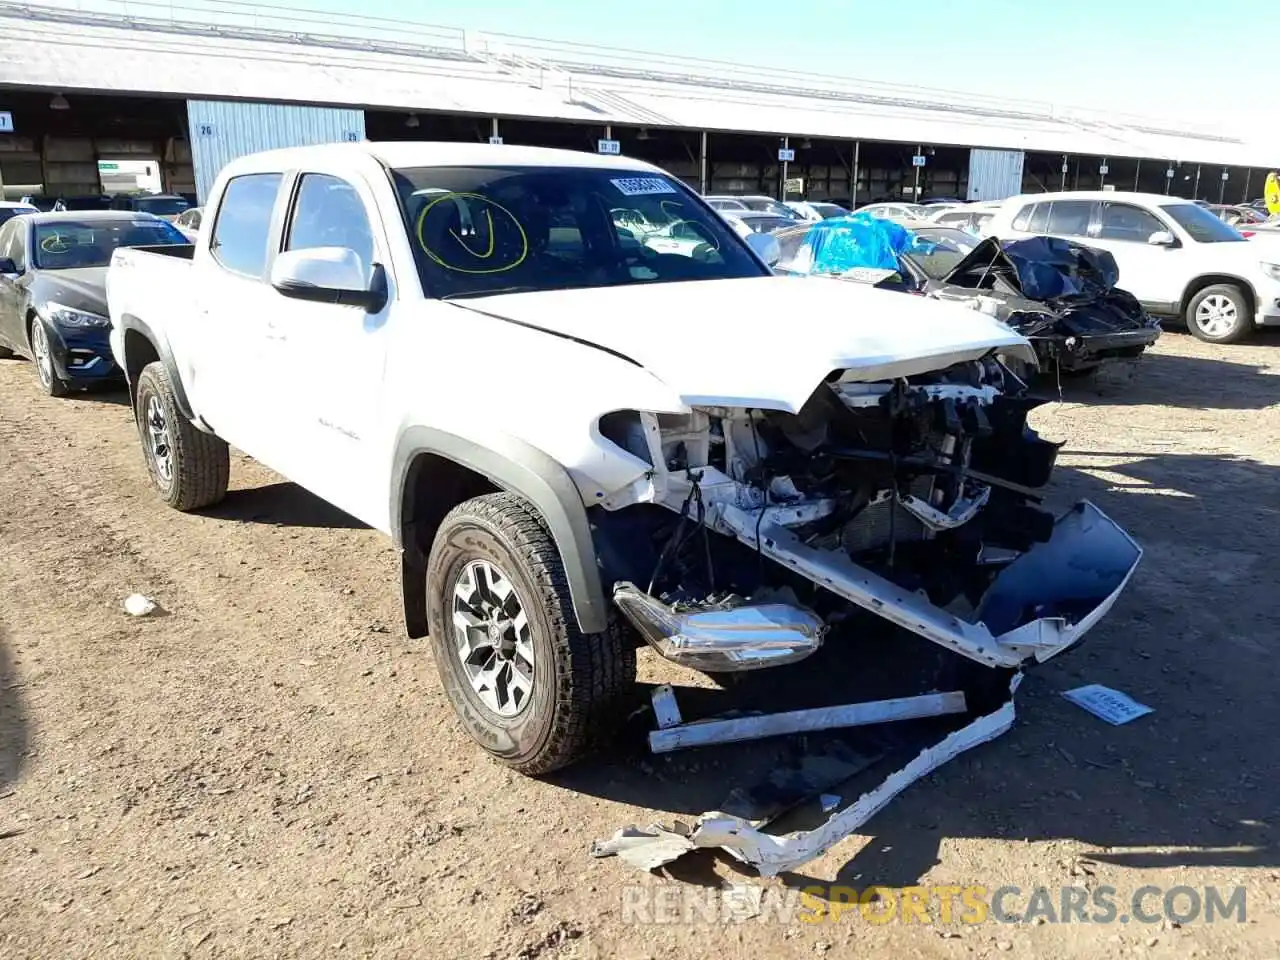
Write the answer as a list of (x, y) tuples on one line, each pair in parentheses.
[(420, 68)]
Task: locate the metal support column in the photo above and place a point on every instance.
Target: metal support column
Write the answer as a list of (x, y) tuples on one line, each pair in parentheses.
[(1168, 178), (1102, 173), (1066, 162), (1137, 175), (853, 187), (782, 187), (702, 159), (1222, 186), (493, 129), (916, 189), (1248, 175)]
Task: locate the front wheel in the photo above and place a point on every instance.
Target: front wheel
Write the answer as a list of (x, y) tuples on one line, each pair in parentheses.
[(42, 354), (188, 467), (527, 684), (1220, 314)]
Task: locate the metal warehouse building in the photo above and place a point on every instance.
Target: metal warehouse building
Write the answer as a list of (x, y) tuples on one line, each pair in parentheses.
[(193, 88)]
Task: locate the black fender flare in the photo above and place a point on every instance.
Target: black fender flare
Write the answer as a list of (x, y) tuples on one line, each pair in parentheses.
[(128, 323), (514, 465)]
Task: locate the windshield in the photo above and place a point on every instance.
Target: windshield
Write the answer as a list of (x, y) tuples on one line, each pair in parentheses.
[(1203, 225), (72, 244), (765, 205), (829, 210), (767, 224), (484, 230), (161, 206), (942, 251)]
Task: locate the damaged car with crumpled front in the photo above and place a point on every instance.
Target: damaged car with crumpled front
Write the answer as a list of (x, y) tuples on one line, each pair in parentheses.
[(580, 443), (1059, 294)]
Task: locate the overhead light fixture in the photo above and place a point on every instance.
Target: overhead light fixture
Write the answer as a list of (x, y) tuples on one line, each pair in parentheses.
[(412, 121), (59, 102)]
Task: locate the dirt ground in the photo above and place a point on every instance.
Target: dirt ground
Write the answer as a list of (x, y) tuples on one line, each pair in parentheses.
[(267, 768)]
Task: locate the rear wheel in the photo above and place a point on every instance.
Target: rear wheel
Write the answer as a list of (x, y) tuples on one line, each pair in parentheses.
[(1220, 314), (42, 354), (188, 467), (527, 684)]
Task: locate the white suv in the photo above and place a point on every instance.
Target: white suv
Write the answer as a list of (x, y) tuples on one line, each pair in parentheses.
[(1176, 257)]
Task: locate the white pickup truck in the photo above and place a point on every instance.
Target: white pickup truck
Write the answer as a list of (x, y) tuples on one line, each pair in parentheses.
[(577, 440)]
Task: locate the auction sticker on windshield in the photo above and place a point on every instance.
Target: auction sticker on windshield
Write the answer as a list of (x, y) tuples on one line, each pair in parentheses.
[(642, 186)]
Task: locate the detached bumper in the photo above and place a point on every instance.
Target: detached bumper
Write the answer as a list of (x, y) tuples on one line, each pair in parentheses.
[(82, 355), (1038, 606)]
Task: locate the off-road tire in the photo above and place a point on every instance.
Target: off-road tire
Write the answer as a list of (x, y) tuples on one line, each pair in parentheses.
[(582, 682), (201, 462), (1244, 317)]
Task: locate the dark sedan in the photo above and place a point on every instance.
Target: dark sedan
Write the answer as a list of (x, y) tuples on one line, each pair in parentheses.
[(53, 301)]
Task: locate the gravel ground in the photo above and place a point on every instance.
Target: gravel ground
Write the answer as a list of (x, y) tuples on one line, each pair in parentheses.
[(266, 767)]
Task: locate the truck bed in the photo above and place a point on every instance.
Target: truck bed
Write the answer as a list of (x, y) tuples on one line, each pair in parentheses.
[(150, 283)]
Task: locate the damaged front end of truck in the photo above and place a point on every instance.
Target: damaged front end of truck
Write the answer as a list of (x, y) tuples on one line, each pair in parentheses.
[(753, 535), (916, 500)]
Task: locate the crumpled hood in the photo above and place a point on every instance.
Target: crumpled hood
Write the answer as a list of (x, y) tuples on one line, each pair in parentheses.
[(763, 342)]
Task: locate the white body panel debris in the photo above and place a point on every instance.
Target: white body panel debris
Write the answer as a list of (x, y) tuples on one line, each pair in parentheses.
[(657, 845), (1110, 705), (704, 733)]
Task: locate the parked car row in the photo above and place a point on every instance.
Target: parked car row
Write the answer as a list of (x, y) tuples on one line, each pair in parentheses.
[(1213, 267), (659, 452), (166, 205), (53, 302)]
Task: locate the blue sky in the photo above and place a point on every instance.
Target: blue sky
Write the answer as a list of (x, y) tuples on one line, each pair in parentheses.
[(1175, 59)]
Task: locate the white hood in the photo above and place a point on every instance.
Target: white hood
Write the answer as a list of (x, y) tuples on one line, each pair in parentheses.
[(762, 342)]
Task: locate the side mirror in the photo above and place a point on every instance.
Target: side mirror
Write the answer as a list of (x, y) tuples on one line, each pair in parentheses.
[(1161, 238), (8, 267), (330, 275), (766, 247)]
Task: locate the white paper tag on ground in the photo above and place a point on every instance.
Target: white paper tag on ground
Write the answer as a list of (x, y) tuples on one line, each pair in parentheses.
[(1111, 705)]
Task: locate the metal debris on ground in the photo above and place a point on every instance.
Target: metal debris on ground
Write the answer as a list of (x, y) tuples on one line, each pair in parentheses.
[(656, 845), (702, 733), (1110, 705)]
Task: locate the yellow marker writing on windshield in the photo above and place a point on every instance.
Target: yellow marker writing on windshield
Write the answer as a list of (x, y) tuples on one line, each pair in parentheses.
[(488, 206), (465, 246)]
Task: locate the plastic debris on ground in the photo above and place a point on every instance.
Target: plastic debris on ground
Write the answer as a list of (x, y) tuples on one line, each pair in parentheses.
[(648, 848), (136, 605), (1110, 705)]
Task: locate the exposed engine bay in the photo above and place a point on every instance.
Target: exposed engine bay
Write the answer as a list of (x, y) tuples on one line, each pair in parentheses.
[(916, 500)]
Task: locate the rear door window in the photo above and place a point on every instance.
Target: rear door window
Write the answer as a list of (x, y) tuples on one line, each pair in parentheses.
[(1123, 221), (1070, 218), (243, 226)]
